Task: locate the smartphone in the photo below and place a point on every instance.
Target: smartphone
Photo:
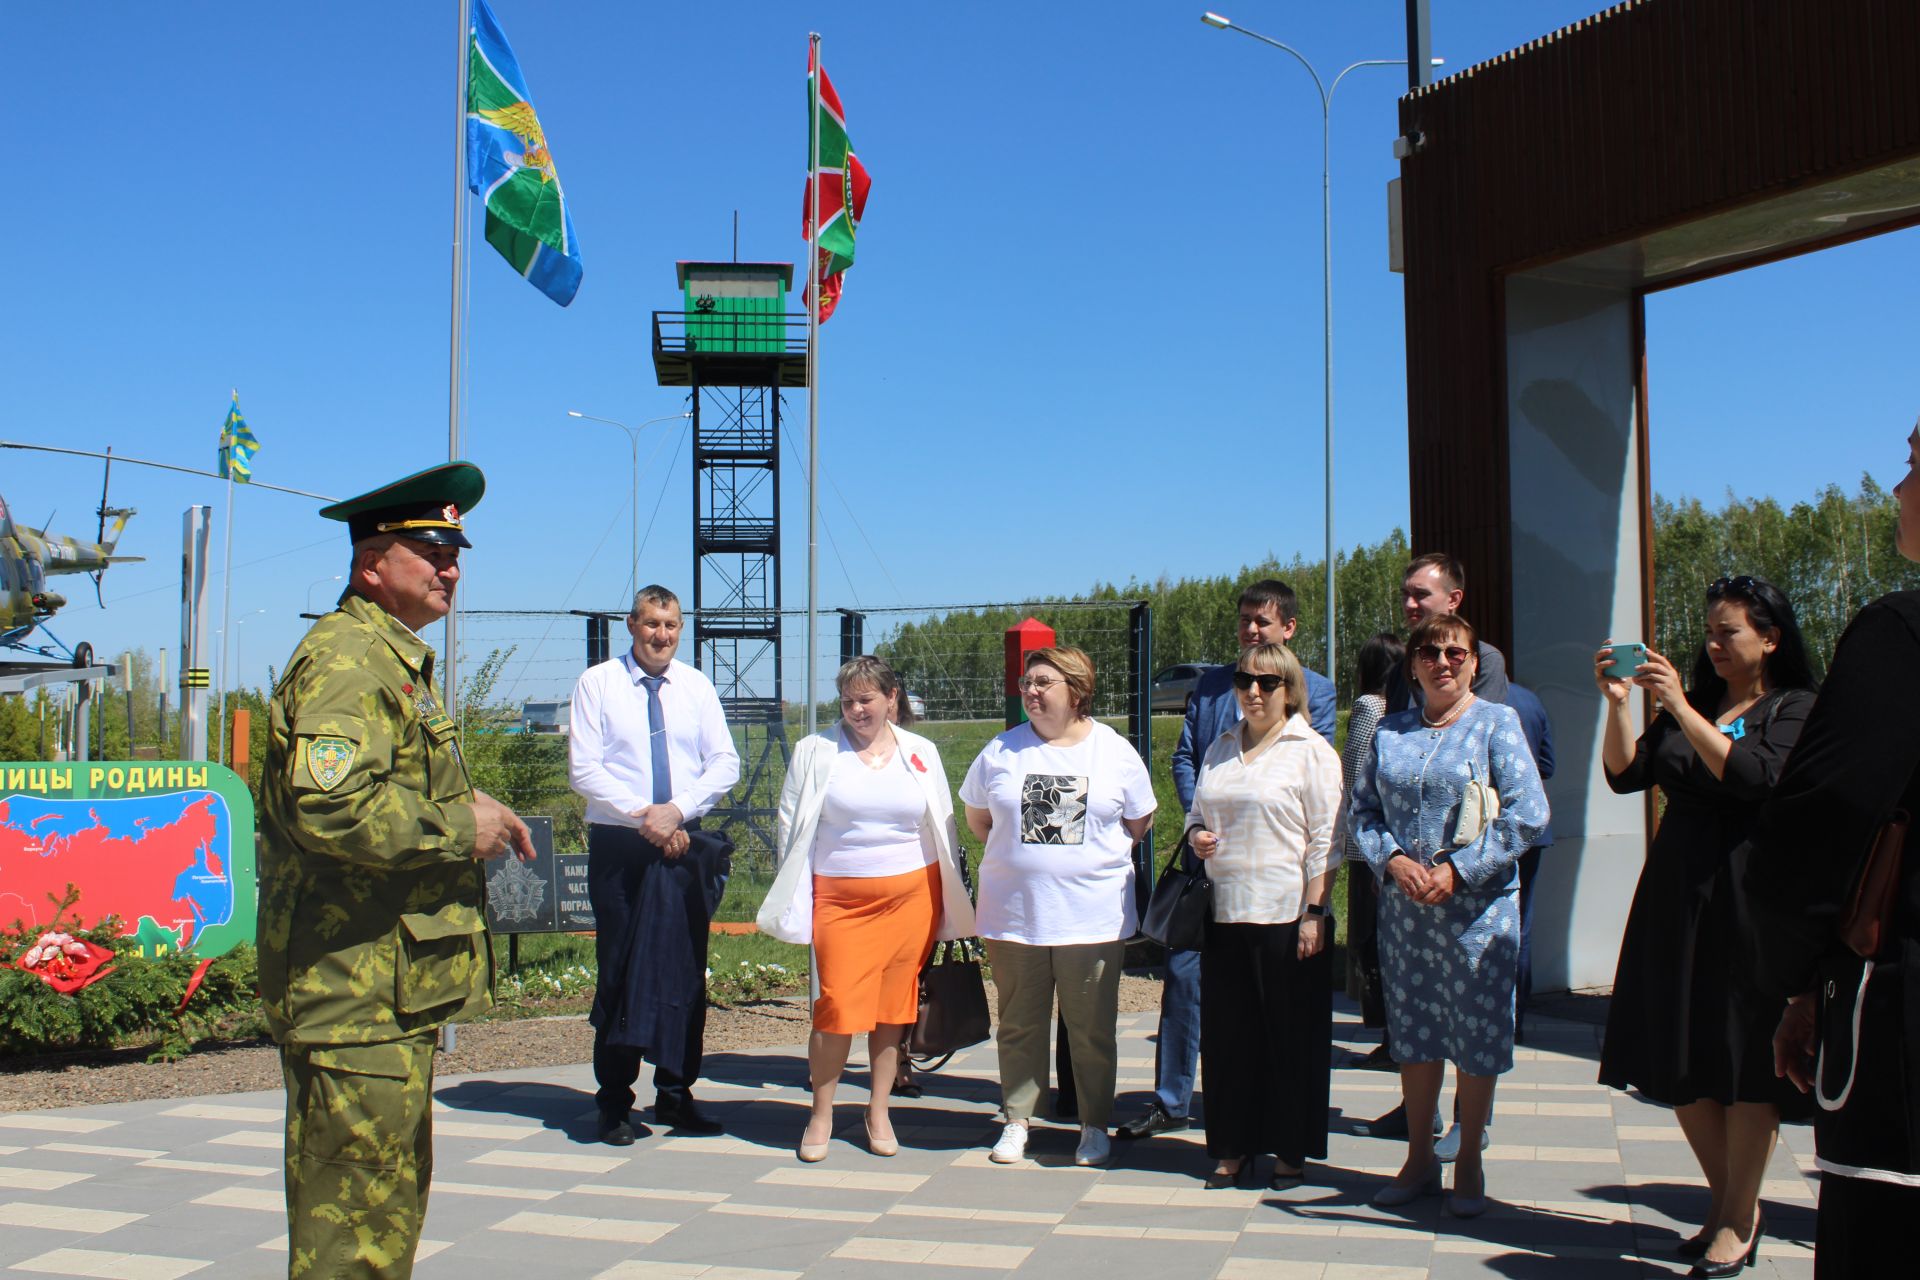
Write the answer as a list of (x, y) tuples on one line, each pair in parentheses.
[(1628, 657)]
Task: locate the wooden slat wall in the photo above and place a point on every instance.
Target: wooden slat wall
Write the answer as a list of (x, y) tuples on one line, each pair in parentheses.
[(1649, 115)]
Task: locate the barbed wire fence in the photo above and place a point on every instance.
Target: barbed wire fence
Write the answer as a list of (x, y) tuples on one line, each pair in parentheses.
[(520, 667)]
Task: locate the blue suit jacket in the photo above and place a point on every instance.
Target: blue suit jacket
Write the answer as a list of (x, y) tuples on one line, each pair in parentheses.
[(1213, 709), (1539, 731)]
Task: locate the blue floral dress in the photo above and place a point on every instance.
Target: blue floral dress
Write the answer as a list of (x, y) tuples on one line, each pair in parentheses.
[(1448, 970)]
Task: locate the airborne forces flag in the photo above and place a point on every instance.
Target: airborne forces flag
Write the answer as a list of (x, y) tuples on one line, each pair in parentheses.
[(509, 166), (238, 444), (842, 180)]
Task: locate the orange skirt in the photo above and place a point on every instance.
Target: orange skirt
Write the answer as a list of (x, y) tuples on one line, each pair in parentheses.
[(871, 934)]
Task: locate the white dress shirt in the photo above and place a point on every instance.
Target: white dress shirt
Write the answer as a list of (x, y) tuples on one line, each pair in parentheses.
[(1276, 817), (609, 749)]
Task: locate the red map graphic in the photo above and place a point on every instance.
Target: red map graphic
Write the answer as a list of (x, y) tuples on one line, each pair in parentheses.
[(150, 873)]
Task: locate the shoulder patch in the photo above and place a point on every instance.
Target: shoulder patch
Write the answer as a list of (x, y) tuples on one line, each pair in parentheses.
[(328, 760)]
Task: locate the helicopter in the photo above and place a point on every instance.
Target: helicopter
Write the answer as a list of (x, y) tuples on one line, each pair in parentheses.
[(29, 556)]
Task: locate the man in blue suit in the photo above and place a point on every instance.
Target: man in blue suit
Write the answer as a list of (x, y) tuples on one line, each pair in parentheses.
[(1269, 614)]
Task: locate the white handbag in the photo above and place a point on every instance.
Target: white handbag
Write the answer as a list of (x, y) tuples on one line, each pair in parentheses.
[(1479, 806)]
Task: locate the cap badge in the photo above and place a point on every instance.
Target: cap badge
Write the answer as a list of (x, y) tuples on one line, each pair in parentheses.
[(450, 513)]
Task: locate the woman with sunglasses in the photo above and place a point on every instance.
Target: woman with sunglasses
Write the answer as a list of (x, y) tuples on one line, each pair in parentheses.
[(1265, 808), (1058, 802), (1686, 1027), (1449, 896)]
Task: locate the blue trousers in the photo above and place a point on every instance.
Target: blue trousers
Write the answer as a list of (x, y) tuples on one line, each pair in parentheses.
[(1176, 1053)]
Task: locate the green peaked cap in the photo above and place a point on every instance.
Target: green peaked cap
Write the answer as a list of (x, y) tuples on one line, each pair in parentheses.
[(427, 506)]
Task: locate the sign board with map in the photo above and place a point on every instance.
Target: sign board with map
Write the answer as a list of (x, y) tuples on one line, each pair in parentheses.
[(165, 845), (547, 895)]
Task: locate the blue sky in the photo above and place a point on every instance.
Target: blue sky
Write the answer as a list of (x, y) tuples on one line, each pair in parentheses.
[(1081, 343)]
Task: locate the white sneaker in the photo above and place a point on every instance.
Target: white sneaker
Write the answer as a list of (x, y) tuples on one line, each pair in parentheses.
[(1447, 1149), (1012, 1147), (1094, 1146)]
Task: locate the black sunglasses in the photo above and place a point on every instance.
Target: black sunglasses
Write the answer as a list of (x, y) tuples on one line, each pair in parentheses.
[(1744, 585), (1267, 683), (1432, 653)]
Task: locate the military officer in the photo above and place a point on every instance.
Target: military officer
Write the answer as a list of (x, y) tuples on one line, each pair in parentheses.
[(373, 930)]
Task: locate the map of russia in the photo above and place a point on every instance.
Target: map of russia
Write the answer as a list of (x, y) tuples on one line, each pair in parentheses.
[(168, 848)]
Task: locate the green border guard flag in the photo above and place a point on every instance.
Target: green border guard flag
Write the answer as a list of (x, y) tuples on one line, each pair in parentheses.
[(510, 167), (843, 185)]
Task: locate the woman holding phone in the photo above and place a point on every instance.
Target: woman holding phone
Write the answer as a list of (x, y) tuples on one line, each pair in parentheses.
[(1686, 1027)]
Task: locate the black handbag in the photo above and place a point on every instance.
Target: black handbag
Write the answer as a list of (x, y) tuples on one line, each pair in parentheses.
[(1181, 904), (953, 1006)]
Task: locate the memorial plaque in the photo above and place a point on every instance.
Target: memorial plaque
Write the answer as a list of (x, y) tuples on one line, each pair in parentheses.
[(570, 879), (521, 896)]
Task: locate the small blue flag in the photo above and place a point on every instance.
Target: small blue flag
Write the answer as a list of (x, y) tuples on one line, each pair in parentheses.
[(237, 445)]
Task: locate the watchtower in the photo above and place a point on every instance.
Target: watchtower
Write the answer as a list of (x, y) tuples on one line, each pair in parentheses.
[(735, 345)]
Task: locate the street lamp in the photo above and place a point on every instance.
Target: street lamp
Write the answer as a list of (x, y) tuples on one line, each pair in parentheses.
[(234, 667), (633, 441), (318, 582), (1326, 259)]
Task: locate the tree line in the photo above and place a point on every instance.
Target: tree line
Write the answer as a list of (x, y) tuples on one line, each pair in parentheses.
[(1830, 555)]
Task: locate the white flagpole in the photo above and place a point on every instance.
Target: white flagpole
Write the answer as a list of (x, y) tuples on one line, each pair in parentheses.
[(813, 384), (226, 603), (455, 345)]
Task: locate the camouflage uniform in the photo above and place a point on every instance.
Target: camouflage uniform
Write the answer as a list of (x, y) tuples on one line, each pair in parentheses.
[(372, 932)]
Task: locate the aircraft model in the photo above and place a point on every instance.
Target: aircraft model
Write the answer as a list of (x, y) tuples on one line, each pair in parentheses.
[(28, 556)]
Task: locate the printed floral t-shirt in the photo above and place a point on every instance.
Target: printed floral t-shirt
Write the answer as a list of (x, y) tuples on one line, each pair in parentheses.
[(1058, 870)]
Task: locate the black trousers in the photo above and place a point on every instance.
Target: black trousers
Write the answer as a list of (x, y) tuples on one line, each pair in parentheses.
[(618, 862), (1266, 1034)]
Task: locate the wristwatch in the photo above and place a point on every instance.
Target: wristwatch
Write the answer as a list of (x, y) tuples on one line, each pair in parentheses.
[(1315, 909)]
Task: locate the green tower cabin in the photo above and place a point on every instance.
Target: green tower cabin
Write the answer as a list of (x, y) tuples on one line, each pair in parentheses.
[(734, 345)]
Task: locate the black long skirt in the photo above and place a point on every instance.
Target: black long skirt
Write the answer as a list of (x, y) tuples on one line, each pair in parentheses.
[(1266, 1037)]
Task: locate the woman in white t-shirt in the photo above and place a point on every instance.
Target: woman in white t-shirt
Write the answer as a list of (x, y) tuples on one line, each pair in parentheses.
[(868, 875), (1266, 805), (1059, 802)]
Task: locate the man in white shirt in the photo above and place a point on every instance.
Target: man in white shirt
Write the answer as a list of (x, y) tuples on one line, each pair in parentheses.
[(650, 752)]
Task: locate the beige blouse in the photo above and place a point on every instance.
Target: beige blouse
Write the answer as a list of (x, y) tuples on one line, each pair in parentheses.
[(1277, 817)]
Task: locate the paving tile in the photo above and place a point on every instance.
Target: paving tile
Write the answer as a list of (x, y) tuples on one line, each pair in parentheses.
[(53, 1122), (110, 1266), (257, 1139), (639, 1269), (225, 1111), (557, 1161), (573, 1227), (442, 1187), (217, 1167), (61, 1217), (939, 1253), (245, 1198)]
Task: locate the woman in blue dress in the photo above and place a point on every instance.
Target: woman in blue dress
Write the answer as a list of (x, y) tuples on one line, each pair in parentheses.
[(1449, 899)]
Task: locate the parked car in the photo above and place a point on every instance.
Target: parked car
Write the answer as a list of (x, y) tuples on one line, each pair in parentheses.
[(1172, 687), (917, 705)]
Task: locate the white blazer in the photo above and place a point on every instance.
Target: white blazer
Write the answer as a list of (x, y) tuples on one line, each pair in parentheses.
[(787, 913)]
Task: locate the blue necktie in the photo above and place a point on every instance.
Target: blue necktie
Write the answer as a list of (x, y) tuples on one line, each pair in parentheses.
[(657, 740)]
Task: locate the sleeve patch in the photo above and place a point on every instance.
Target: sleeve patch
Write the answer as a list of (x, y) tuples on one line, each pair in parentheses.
[(328, 759)]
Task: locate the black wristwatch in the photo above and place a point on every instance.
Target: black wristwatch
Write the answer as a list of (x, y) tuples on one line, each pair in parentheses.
[(1315, 909)]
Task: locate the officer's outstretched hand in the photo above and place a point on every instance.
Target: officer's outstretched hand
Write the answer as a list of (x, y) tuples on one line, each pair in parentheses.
[(497, 830)]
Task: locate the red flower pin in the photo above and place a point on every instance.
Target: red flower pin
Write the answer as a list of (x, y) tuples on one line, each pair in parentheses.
[(916, 763), (406, 688)]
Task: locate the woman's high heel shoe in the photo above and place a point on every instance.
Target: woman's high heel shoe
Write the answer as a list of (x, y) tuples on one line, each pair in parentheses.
[(881, 1146), (1472, 1206), (814, 1152), (1396, 1194), (1720, 1270)]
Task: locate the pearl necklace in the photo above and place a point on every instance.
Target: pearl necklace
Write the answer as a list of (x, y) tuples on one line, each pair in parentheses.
[(1459, 708)]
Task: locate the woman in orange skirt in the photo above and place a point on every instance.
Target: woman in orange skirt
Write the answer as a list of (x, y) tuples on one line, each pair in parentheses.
[(868, 876)]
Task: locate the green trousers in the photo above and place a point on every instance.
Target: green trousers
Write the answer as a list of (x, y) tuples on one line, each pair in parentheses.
[(359, 1156), (1087, 980)]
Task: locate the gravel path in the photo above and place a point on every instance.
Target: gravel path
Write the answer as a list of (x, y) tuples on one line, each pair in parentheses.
[(66, 1080)]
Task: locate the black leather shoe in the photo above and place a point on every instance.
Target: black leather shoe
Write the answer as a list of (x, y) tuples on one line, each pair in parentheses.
[(685, 1116), (1151, 1121), (1721, 1270), (1394, 1125), (616, 1131), (1378, 1059)]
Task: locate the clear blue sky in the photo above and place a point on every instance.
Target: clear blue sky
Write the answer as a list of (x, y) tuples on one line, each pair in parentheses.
[(1081, 343)]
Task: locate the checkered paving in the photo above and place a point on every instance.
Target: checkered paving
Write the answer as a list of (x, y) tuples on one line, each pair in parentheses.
[(1586, 1182)]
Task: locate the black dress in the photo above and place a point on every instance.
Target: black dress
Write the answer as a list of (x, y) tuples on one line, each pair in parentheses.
[(1686, 1023), (1858, 760)]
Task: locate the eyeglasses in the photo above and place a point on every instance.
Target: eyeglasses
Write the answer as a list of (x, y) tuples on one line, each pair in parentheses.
[(1037, 684), (1744, 585), (1432, 653), (1244, 680)]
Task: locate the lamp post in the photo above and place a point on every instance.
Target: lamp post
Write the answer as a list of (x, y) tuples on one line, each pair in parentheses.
[(234, 667), (633, 442), (319, 582), (1326, 91)]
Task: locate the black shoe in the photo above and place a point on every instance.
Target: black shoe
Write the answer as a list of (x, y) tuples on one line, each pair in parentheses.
[(1245, 1178), (1394, 1125), (1380, 1059), (685, 1116), (1151, 1121), (1720, 1270), (617, 1131), (1283, 1178)]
